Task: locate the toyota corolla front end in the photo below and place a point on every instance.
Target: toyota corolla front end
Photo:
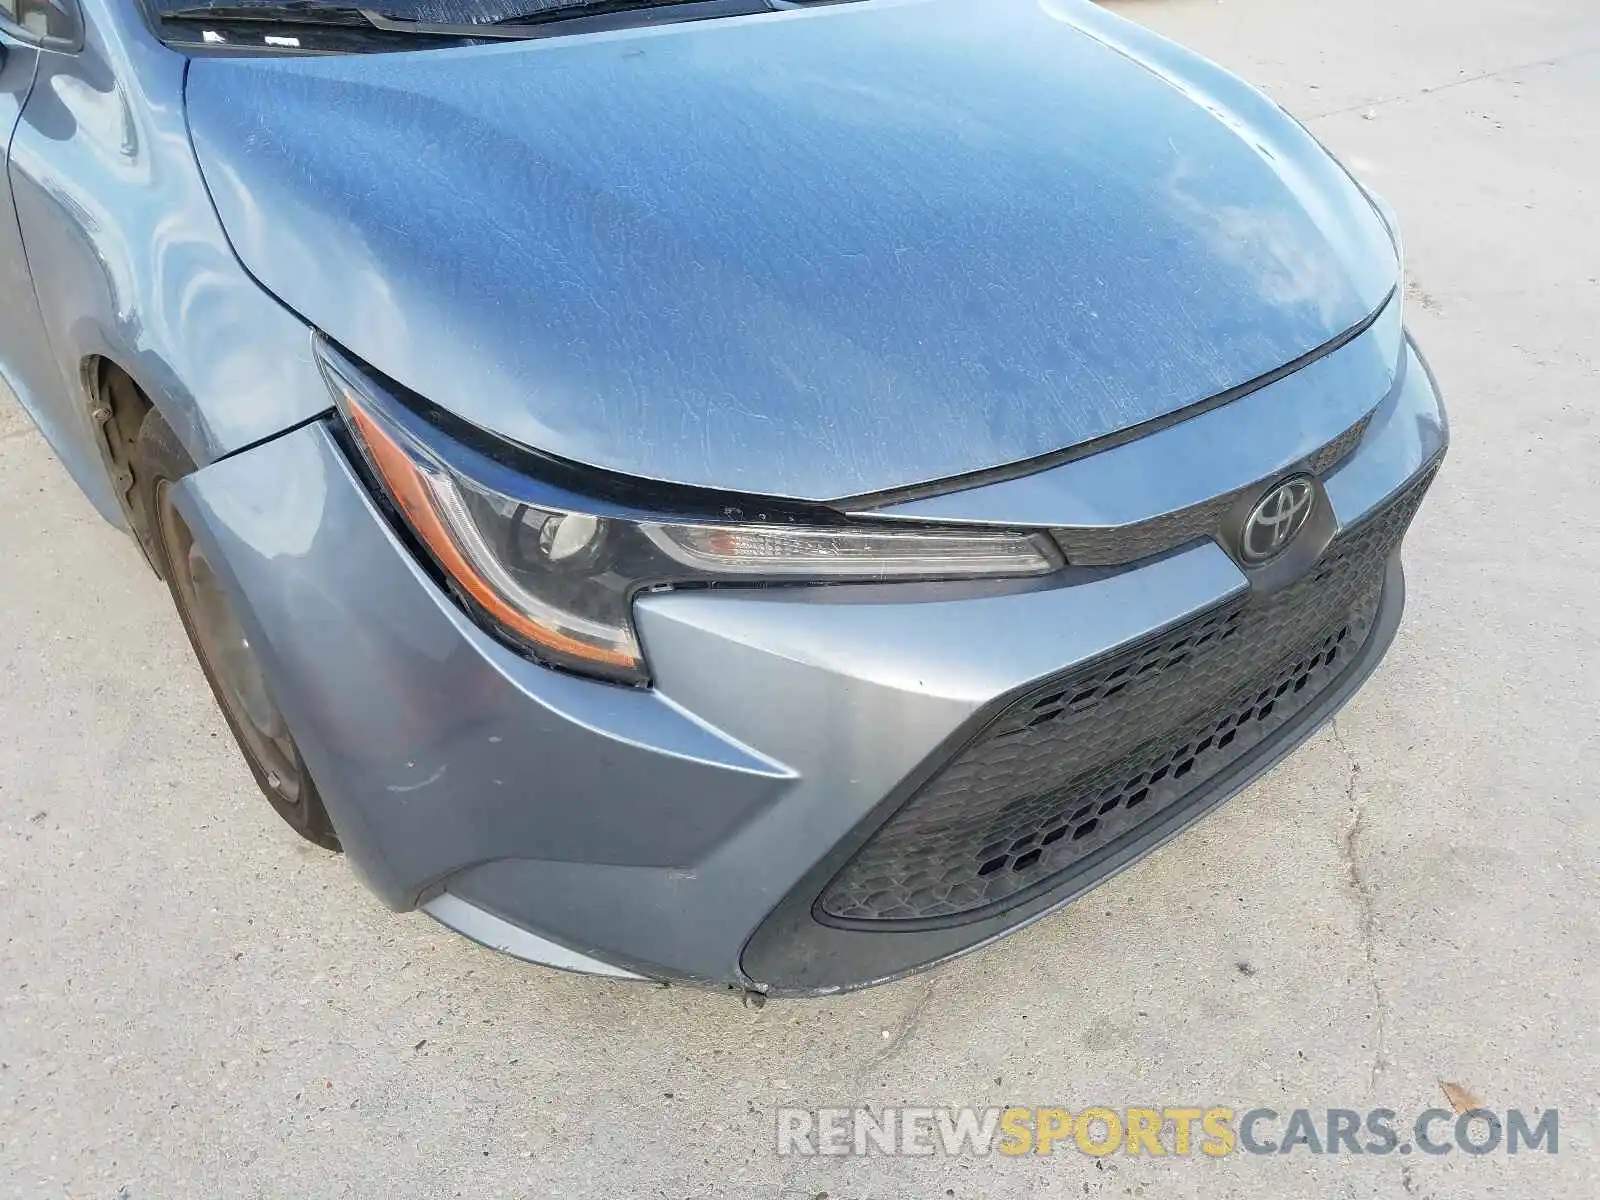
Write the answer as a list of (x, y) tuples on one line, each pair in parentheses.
[(777, 500)]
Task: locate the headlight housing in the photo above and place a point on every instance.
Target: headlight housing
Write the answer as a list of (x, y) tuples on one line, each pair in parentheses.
[(554, 573)]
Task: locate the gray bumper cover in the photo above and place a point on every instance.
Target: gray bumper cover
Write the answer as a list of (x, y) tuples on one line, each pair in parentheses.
[(655, 832)]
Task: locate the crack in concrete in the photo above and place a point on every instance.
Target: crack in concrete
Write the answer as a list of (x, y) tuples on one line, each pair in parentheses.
[(1455, 83), (1366, 908), (907, 1026)]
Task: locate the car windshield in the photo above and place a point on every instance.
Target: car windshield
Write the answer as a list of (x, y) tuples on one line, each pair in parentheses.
[(431, 12), (464, 12), (330, 26)]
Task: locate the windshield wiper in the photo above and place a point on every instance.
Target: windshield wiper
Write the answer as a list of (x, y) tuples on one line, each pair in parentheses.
[(589, 14)]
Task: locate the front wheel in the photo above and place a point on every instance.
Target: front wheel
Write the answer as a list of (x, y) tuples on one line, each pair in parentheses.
[(231, 664)]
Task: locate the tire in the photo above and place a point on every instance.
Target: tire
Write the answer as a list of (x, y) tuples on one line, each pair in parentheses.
[(230, 664)]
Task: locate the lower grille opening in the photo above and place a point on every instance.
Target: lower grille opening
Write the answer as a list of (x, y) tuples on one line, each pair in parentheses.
[(1084, 760)]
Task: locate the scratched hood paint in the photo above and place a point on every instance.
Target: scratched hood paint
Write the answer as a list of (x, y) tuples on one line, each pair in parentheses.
[(808, 254)]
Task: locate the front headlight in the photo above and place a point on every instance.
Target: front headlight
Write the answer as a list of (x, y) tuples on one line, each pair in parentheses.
[(555, 573)]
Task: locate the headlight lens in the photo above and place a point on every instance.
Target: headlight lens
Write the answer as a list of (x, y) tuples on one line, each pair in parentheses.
[(556, 576)]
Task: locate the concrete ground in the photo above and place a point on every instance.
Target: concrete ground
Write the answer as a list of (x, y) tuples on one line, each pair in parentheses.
[(192, 1003)]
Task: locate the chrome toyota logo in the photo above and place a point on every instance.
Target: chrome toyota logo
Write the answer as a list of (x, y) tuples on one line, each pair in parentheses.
[(1275, 519)]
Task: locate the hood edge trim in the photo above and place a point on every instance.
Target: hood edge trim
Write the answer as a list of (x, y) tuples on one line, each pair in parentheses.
[(867, 501)]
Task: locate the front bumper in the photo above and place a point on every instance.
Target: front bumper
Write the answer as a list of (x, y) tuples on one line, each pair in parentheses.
[(686, 832)]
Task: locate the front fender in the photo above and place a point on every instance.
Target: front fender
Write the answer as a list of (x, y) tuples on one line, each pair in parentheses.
[(130, 262)]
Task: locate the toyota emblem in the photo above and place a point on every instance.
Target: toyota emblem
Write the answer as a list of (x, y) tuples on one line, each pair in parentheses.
[(1276, 518)]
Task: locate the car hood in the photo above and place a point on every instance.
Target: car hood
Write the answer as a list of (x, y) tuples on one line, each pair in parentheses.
[(811, 254)]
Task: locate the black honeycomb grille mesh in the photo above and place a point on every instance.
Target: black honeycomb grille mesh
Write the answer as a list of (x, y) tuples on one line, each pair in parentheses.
[(1087, 757)]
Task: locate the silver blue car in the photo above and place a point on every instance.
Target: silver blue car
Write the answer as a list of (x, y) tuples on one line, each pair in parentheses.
[(764, 494)]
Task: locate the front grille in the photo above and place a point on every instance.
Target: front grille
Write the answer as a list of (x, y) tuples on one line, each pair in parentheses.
[(1087, 757), (1117, 544)]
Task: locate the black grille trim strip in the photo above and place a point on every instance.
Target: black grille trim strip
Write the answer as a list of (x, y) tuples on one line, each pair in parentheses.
[(1120, 544)]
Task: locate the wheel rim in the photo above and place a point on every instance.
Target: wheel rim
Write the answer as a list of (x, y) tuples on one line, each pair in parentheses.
[(229, 658)]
